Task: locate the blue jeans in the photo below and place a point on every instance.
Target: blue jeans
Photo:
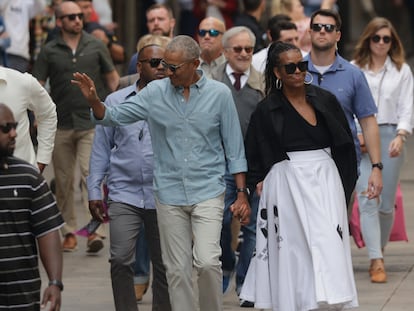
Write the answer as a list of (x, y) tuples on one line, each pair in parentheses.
[(142, 261), (249, 234), (377, 217)]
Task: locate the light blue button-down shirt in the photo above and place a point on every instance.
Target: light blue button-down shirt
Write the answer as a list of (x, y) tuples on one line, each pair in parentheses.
[(123, 155), (192, 140)]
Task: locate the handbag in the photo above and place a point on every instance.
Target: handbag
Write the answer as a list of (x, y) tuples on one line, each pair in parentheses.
[(398, 231)]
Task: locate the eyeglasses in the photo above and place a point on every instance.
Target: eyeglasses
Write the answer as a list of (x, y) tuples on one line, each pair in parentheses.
[(153, 62), (211, 32), (72, 17), (291, 67), (328, 27), (377, 38), (173, 68), (239, 49), (6, 128)]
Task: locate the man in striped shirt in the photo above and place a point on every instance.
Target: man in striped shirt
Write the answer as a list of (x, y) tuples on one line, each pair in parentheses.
[(29, 220)]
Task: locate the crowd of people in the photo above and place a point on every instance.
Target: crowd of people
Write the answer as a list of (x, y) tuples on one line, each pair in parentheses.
[(201, 155)]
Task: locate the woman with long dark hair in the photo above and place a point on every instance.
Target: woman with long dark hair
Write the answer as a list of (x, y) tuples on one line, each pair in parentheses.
[(301, 157)]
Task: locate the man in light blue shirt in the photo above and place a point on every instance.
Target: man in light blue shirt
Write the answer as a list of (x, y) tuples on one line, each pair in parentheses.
[(333, 73), (195, 131), (123, 158)]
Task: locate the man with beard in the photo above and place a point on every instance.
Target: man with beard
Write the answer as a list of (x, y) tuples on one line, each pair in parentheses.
[(209, 35), (160, 21), (335, 74), (71, 51), (29, 220), (122, 158)]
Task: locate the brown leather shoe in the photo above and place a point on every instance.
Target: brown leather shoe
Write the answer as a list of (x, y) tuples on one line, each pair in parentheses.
[(70, 243), (140, 290), (95, 243), (377, 271)]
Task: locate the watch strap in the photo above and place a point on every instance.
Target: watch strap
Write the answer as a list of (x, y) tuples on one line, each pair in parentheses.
[(57, 283)]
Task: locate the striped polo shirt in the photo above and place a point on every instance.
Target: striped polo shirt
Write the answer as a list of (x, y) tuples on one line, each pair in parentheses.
[(27, 212)]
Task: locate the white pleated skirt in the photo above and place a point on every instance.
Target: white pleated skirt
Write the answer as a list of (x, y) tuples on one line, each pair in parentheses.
[(303, 259)]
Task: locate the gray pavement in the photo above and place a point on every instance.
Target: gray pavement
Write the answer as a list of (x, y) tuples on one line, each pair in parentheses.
[(88, 285)]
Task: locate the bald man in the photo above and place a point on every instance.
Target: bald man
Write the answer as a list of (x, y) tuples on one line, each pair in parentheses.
[(209, 36)]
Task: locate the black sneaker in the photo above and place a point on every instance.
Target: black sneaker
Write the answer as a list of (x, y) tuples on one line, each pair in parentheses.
[(246, 304)]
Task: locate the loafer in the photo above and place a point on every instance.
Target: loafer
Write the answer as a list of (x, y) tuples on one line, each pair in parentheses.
[(377, 271), (69, 243), (95, 243), (140, 290), (246, 304)]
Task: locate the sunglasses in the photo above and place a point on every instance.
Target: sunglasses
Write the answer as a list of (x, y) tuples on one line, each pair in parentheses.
[(377, 38), (211, 32), (153, 62), (239, 49), (328, 27), (173, 68), (72, 17), (6, 128), (291, 67)]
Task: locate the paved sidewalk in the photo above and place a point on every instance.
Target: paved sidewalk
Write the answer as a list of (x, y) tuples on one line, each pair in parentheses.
[(88, 286)]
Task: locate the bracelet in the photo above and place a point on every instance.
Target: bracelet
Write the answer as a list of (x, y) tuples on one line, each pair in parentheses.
[(403, 137), (57, 283)]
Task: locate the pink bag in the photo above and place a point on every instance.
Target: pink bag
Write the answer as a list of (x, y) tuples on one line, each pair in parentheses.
[(398, 232)]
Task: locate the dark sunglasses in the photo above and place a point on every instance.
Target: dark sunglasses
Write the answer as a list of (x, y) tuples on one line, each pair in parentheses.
[(291, 67), (211, 32), (173, 68), (153, 62), (328, 27), (239, 49), (72, 17), (377, 38), (6, 128)]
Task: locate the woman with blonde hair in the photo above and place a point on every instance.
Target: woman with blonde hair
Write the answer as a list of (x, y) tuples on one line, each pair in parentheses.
[(380, 55)]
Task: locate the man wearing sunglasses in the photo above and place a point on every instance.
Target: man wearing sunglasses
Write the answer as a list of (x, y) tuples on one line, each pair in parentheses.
[(335, 74), (73, 50), (195, 131), (30, 223), (131, 199), (116, 50), (247, 88), (210, 32)]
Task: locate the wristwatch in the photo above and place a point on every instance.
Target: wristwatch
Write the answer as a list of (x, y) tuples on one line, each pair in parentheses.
[(245, 190), (57, 283), (378, 165)]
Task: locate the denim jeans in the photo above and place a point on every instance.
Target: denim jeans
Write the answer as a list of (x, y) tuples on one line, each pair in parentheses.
[(377, 216), (249, 234)]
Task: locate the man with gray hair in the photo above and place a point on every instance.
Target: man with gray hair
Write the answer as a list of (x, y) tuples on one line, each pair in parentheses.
[(247, 87), (195, 130)]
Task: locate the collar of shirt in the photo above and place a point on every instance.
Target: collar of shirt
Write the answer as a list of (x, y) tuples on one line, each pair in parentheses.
[(243, 78)]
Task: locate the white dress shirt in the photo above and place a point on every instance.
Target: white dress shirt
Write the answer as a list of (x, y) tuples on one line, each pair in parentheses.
[(393, 92), (22, 92)]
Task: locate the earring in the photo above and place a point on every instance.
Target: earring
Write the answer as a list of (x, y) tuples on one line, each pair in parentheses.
[(278, 84), (308, 81)]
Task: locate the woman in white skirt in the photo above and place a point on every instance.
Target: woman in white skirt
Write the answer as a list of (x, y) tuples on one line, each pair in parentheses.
[(302, 158)]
